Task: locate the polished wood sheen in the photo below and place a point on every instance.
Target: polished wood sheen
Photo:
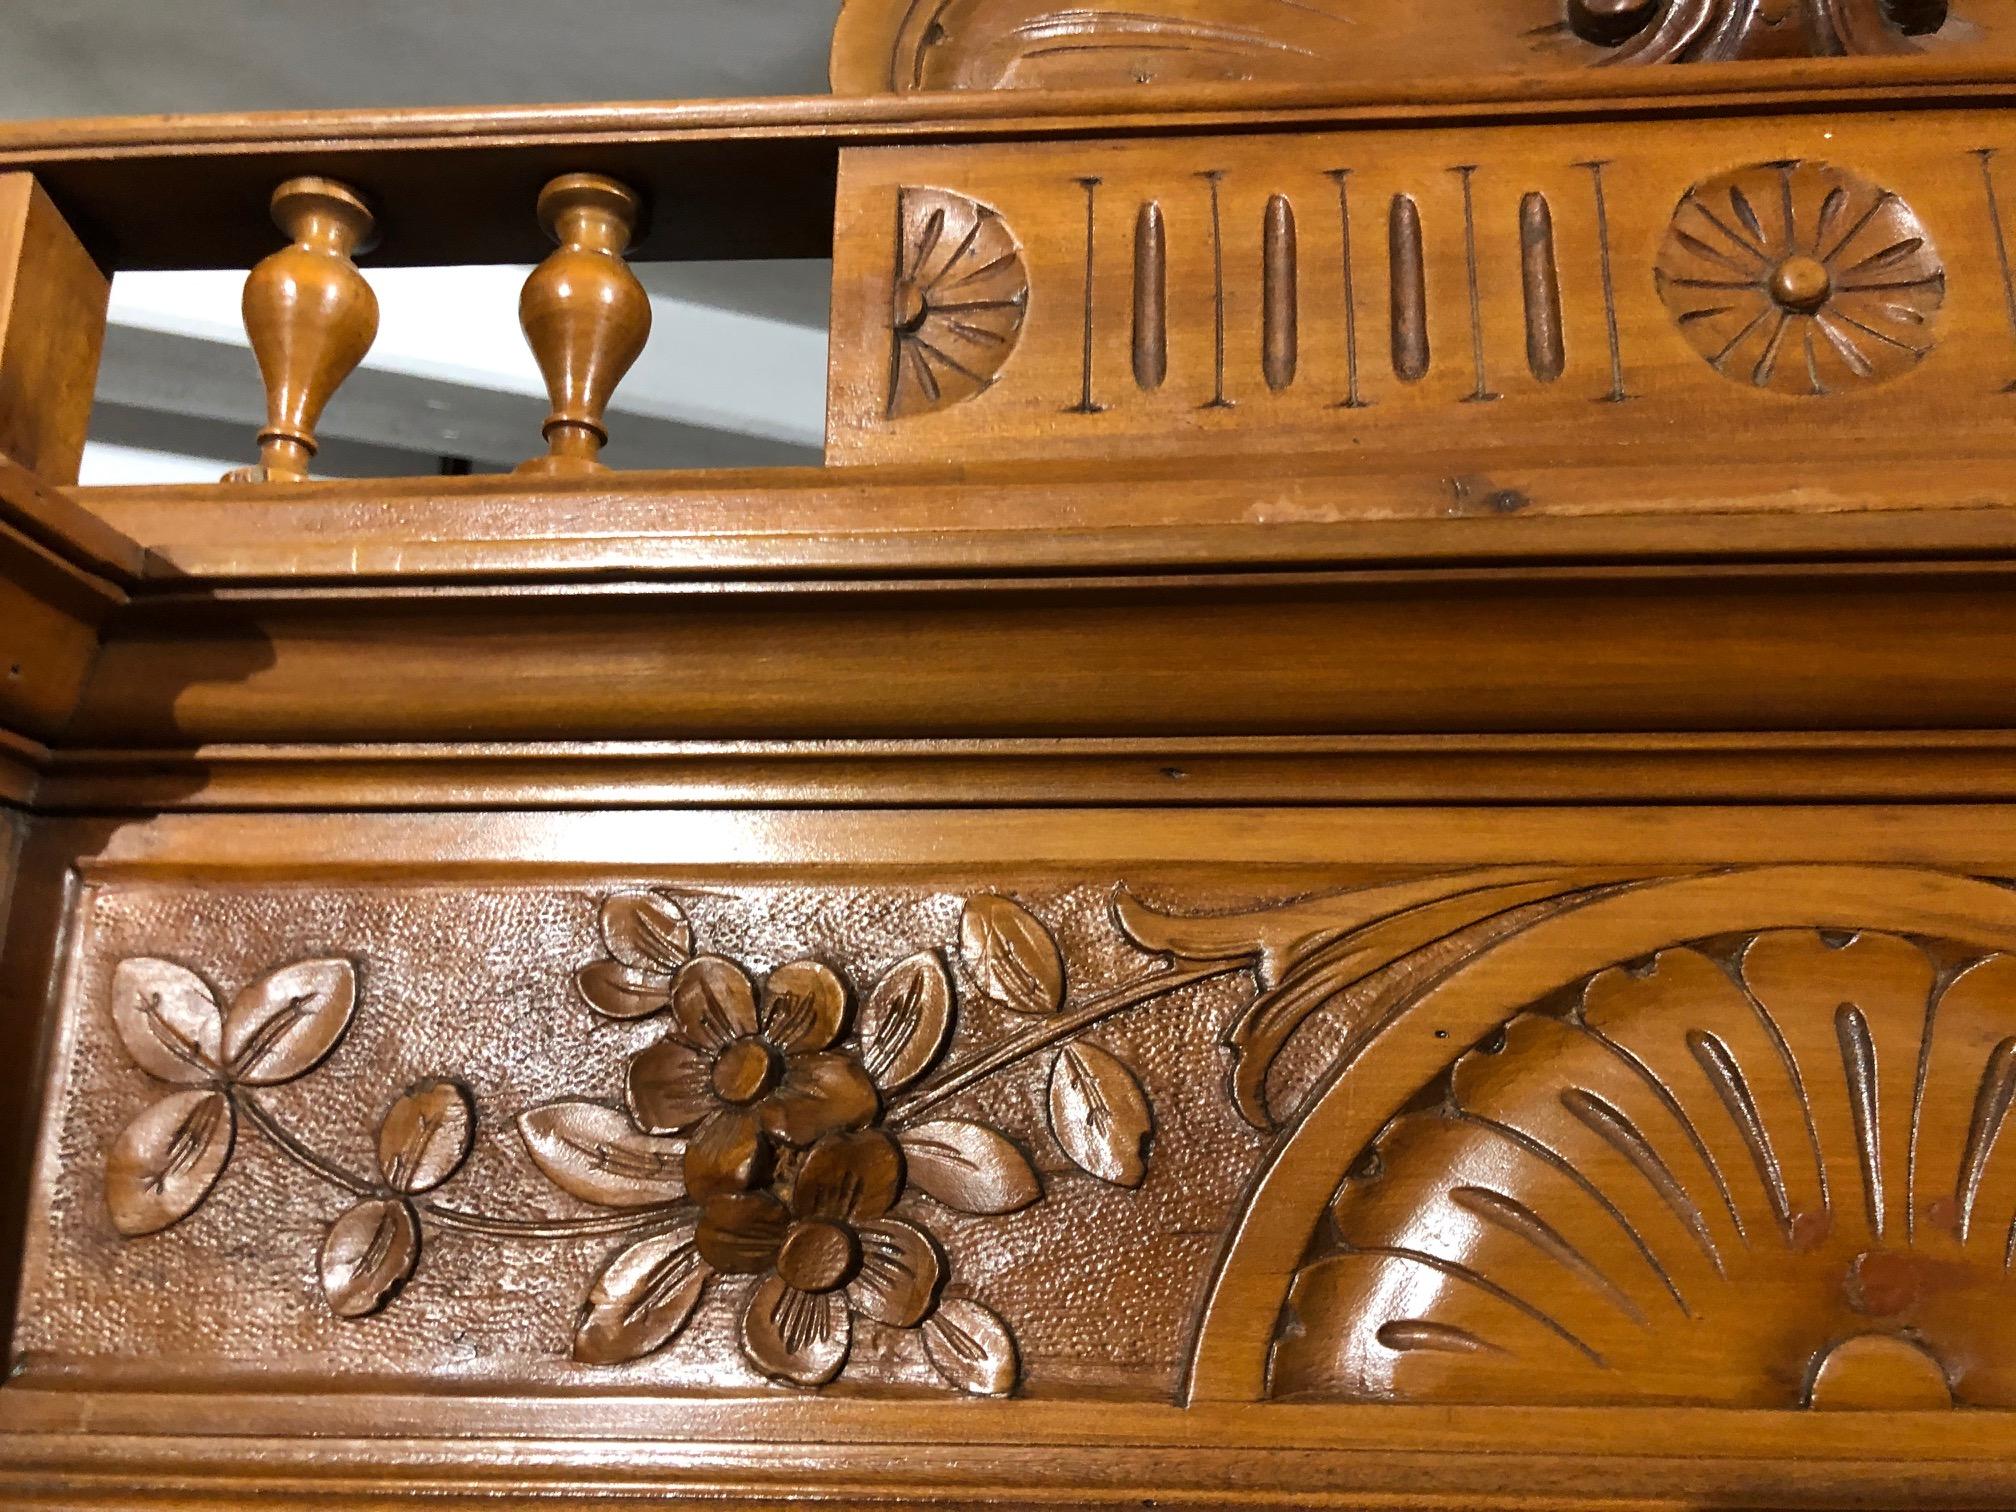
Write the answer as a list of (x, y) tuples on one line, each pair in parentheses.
[(311, 319), (1354, 852), (585, 315), (52, 318)]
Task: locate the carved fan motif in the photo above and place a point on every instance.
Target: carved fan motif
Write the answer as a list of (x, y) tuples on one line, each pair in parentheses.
[(1752, 1174), (1802, 278), (960, 296)]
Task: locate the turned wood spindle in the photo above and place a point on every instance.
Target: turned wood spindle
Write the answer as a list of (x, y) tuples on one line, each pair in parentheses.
[(585, 315), (311, 318)]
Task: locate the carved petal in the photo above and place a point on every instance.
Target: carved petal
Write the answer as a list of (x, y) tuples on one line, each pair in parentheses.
[(164, 1162), (727, 1154), (167, 1019), (819, 1094), (969, 1166), (286, 1022), (642, 1300), (647, 932), (713, 1001), (901, 1271), (971, 1348), (804, 1007), (670, 1087), (592, 1152), (1100, 1115), (795, 1336), (1011, 955), (620, 992), (741, 1233), (369, 1254), (907, 1020), (851, 1176), (425, 1137)]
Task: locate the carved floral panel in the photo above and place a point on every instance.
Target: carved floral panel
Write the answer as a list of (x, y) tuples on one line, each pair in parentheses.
[(1733, 1136)]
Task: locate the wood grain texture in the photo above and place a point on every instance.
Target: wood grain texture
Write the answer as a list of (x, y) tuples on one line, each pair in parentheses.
[(1361, 857), (757, 175), (1842, 264), (257, 890), (52, 323)]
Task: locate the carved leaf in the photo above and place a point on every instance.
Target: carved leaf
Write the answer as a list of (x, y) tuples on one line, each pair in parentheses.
[(1100, 1115), (642, 1299), (971, 1347), (593, 1152), (369, 1254), (906, 1021), (647, 932), (287, 1021), (620, 992), (164, 1163), (1011, 955), (425, 1137), (168, 1020), (969, 1166), (1311, 953)]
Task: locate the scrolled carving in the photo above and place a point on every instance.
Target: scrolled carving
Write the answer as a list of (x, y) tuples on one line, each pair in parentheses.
[(960, 294), (1706, 31), (1801, 278)]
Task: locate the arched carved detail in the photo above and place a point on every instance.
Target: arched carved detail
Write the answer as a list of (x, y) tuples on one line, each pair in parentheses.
[(903, 46), (1804, 1070), (1703, 1178)]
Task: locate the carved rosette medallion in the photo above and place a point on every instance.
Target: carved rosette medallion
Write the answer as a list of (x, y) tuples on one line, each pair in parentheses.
[(956, 309), (1801, 278)]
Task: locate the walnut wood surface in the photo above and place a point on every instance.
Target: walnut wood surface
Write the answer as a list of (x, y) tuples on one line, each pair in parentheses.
[(910, 45), (1748, 280), (52, 316), (1320, 878), (757, 175)]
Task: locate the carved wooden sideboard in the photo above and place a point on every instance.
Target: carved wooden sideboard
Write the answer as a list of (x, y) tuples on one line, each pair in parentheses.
[(1357, 851)]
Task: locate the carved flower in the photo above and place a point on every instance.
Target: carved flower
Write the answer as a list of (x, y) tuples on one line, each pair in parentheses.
[(1801, 278), (740, 1076), (827, 1252)]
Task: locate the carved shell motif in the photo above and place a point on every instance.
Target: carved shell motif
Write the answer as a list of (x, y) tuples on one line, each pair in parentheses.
[(961, 292), (1802, 278), (1764, 1172)]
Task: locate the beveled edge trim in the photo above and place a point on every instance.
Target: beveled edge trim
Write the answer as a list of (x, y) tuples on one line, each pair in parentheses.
[(137, 1450), (1491, 770), (1704, 88)]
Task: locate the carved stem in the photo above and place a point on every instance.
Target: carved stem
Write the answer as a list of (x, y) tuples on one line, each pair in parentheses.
[(1046, 1032), (640, 1221)]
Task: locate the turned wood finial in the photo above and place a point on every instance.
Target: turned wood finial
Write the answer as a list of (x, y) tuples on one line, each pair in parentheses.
[(311, 317), (585, 315)]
